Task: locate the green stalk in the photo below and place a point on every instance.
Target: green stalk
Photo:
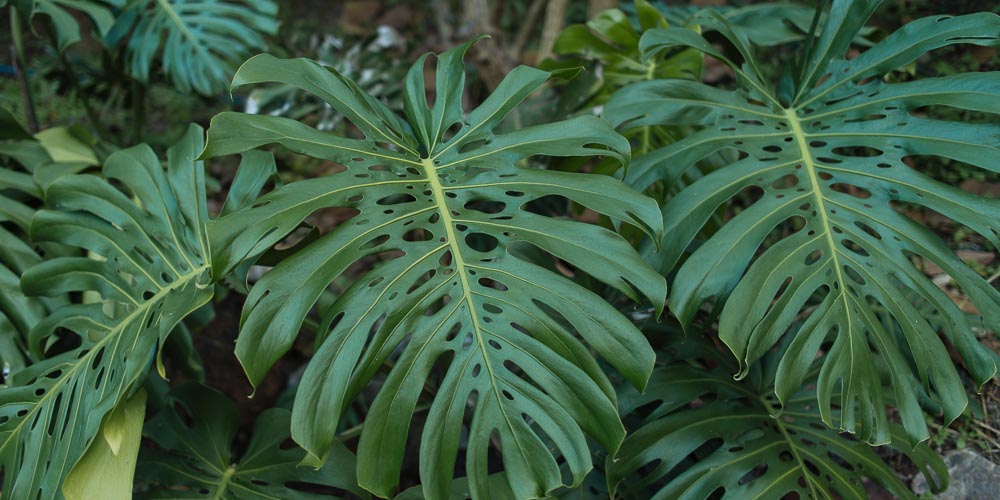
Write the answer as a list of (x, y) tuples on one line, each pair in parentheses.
[(17, 58)]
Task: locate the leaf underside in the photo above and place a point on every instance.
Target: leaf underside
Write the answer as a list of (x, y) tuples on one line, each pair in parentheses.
[(440, 204), (826, 160)]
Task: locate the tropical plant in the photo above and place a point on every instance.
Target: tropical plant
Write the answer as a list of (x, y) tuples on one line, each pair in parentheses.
[(440, 198), (823, 153), (466, 331), (148, 264)]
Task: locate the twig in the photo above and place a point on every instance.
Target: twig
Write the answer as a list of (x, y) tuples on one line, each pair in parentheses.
[(527, 29), (489, 57), (441, 10), (987, 427), (555, 13)]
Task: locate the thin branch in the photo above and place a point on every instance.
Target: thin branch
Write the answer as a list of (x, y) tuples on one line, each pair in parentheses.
[(555, 14), (527, 29)]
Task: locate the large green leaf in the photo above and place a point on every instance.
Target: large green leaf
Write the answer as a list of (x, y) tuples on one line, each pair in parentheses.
[(701, 434), (148, 263), (198, 42), (827, 158), (441, 202), (194, 459)]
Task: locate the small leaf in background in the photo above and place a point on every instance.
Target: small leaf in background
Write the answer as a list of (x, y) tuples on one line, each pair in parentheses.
[(194, 458), (65, 23), (198, 43)]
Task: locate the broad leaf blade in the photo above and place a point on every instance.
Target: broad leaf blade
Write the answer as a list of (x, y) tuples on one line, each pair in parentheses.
[(831, 171), (148, 263), (442, 212)]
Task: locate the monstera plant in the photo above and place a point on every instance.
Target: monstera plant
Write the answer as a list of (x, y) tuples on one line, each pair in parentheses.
[(825, 150), (442, 200), (476, 324)]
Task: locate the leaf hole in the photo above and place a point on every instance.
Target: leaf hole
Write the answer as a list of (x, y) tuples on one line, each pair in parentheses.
[(417, 235), (375, 242), (814, 257), (482, 242), (858, 151), (855, 191), (396, 199)]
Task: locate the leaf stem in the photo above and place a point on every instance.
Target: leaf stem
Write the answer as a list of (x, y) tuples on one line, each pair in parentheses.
[(17, 61)]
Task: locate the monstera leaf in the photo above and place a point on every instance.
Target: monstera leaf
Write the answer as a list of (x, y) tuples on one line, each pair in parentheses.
[(65, 24), (827, 158), (148, 261), (194, 459), (440, 201), (701, 435), (200, 42)]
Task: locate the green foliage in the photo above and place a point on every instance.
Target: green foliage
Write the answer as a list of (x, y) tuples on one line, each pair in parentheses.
[(461, 325), (612, 39), (373, 63), (440, 198), (700, 434), (825, 150), (148, 261), (195, 432), (200, 42)]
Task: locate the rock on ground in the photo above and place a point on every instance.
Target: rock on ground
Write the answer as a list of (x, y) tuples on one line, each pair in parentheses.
[(973, 477)]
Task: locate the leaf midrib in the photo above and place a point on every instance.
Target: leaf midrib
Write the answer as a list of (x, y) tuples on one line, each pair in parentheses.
[(809, 165), (172, 14), (139, 311), (437, 194)]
